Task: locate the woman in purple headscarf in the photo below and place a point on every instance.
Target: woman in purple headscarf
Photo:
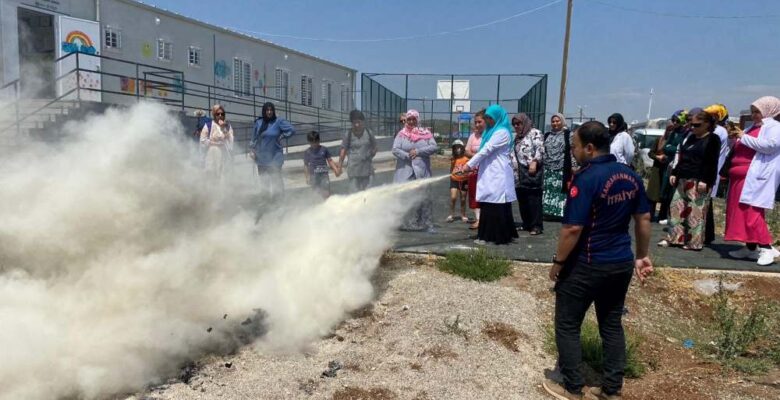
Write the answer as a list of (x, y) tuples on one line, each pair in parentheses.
[(412, 148)]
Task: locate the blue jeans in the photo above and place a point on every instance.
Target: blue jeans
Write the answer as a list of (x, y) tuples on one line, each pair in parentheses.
[(605, 285)]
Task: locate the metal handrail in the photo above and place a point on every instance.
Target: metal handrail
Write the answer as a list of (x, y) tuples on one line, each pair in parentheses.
[(13, 82), (194, 90), (20, 120)]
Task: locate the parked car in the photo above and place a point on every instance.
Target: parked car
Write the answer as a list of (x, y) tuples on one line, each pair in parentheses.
[(645, 139)]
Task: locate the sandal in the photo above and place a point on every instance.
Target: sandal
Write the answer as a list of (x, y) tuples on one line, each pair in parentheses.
[(450, 219), (535, 232), (464, 218), (664, 243), (474, 225)]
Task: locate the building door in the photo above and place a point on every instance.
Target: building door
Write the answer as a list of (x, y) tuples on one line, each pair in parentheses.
[(36, 53), (78, 36)]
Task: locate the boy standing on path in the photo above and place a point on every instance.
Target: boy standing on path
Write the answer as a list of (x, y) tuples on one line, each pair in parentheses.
[(316, 165), (594, 263)]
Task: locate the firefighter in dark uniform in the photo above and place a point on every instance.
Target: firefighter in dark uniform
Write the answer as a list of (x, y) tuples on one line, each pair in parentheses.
[(594, 262)]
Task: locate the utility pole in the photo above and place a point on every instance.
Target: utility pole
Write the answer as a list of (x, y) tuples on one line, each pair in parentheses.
[(581, 108), (562, 97), (650, 106)]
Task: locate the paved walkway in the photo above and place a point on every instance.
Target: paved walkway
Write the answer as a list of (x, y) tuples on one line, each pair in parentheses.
[(456, 235)]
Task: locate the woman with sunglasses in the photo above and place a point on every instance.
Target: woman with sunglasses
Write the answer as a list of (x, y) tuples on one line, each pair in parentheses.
[(753, 181), (693, 178), (267, 151), (412, 148), (217, 139)]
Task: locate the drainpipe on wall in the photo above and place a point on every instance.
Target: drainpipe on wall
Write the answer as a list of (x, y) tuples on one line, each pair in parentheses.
[(97, 10)]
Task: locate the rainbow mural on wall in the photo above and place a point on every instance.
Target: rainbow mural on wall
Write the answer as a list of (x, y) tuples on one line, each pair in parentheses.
[(78, 41)]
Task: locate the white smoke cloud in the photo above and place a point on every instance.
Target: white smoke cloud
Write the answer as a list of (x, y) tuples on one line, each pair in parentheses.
[(115, 258)]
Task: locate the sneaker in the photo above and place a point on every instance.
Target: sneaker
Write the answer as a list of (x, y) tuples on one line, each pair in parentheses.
[(559, 392), (480, 242), (766, 256), (554, 375), (663, 222), (744, 253), (597, 394)]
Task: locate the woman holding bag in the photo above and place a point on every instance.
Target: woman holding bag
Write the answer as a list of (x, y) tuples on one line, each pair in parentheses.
[(527, 158)]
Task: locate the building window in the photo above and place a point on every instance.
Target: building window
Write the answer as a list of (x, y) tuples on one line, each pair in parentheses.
[(282, 83), (164, 50), (112, 38), (242, 81), (193, 55), (306, 90), (327, 95), (346, 98)]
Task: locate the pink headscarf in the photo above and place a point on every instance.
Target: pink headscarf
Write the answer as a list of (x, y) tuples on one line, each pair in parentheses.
[(768, 105), (414, 133)]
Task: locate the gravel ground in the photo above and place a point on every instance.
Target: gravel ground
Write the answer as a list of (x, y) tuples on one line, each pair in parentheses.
[(427, 335)]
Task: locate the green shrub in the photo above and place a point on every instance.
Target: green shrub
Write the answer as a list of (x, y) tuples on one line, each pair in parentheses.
[(592, 351), (479, 265), (750, 366), (737, 330)]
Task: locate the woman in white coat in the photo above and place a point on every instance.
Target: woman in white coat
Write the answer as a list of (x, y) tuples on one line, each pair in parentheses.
[(496, 182), (621, 144), (753, 180)]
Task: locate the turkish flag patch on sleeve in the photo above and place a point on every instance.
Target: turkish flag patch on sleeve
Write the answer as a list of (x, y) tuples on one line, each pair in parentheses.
[(573, 192)]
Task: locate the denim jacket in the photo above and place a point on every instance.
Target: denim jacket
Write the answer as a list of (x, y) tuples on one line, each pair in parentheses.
[(268, 145)]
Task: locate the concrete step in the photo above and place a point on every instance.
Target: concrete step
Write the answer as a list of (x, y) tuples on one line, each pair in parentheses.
[(27, 124)]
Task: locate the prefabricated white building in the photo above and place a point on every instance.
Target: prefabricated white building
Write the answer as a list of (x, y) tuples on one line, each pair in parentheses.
[(140, 44)]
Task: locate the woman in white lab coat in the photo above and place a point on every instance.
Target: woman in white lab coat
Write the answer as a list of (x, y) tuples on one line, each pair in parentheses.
[(752, 189), (496, 182)]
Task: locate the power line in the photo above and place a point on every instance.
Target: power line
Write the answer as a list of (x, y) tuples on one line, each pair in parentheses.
[(443, 33), (673, 15)]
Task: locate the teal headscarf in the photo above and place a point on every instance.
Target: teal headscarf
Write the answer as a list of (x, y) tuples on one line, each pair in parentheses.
[(498, 114)]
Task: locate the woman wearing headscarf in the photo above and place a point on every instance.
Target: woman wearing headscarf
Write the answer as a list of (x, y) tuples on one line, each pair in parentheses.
[(721, 115), (527, 157), (559, 164), (412, 148), (666, 149), (266, 148), (693, 177), (216, 137), (472, 147), (754, 176), (495, 183), (621, 145)]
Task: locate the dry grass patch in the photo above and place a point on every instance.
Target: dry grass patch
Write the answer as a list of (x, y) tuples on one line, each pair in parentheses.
[(504, 334), (351, 393), (439, 352)]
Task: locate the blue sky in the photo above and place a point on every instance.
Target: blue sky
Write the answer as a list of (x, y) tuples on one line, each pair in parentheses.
[(615, 57)]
